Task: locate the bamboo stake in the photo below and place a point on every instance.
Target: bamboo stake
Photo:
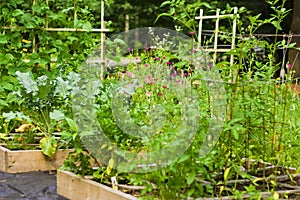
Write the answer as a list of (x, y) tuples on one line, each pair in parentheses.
[(75, 13), (47, 26), (34, 46), (200, 28), (216, 35), (233, 34), (214, 16), (102, 53), (54, 29), (47, 21), (126, 22)]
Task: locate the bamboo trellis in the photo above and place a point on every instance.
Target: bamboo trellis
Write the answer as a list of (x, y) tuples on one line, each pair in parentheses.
[(101, 30), (215, 48)]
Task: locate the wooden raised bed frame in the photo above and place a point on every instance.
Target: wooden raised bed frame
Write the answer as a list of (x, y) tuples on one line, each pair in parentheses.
[(76, 187), (15, 161)]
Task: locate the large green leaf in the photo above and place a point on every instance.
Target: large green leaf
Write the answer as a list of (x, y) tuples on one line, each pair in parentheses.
[(57, 115), (28, 83), (17, 12), (3, 39), (3, 103), (72, 125), (48, 146), (190, 177), (87, 26)]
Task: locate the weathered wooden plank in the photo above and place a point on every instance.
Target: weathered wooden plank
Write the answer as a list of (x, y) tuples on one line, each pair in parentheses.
[(15, 161), (3, 158), (75, 187)]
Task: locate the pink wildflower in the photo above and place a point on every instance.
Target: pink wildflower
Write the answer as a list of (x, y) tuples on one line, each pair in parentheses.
[(289, 66), (168, 63), (192, 33), (164, 86), (159, 94), (130, 74), (148, 80), (148, 93)]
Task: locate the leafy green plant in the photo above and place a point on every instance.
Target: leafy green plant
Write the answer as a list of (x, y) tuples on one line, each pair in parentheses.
[(80, 161), (41, 96)]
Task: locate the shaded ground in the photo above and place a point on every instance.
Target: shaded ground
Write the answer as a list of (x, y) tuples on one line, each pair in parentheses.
[(29, 186)]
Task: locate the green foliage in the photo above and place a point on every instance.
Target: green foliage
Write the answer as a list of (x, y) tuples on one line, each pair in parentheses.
[(48, 145), (38, 80), (184, 12)]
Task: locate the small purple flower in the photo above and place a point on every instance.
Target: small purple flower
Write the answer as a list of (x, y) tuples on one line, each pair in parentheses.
[(185, 74), (147, 48), (128, 49), (194, 50), (146, 65), (174, 75), (159, 94), (164, 86), (289, 66), (168, 63), (156, 58), (192, 33)]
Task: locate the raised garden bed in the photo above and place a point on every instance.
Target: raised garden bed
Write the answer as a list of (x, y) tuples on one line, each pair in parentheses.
[(76, 187), (15, 161), (270, 181)]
